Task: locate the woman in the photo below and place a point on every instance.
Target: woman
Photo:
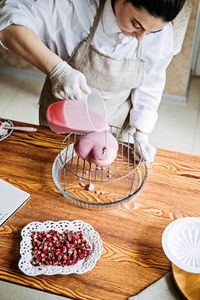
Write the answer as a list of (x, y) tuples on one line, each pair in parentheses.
[(120, 47)]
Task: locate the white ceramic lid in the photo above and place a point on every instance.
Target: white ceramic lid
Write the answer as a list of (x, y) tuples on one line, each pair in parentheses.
[(181, 243)]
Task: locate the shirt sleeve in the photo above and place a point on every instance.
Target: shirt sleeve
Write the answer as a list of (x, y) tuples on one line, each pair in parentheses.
[(157, 55), (61, 25), (27, 13)]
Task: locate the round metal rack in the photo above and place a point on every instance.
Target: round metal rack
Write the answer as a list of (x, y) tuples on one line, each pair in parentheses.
[(113, 185)]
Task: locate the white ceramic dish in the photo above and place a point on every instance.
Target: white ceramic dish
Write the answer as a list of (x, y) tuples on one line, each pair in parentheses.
[(181, 243), (4, 133), (81, 267)]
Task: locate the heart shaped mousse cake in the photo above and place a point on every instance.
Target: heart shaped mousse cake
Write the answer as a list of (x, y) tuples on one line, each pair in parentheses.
[(58, 249), (98, 148)]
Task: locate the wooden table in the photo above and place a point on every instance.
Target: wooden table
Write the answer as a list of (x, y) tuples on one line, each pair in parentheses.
[(132, 256)]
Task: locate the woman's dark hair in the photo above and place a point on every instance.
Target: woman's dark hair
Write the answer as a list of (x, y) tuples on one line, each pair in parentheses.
[(166, 10)]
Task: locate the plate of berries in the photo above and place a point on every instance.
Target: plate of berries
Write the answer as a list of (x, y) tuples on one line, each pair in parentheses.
[(63, 247)]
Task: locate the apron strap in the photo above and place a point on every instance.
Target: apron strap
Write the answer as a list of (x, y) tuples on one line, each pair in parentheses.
[(139, 50), (96, 21)]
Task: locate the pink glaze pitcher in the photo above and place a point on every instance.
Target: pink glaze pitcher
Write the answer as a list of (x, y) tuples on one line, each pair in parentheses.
[(85, 115)]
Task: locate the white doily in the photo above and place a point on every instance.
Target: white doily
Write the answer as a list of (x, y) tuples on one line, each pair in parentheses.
[(81, 267), (4, 133)]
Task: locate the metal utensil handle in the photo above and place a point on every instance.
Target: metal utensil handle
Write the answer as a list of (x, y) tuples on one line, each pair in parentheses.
[(30, 129)]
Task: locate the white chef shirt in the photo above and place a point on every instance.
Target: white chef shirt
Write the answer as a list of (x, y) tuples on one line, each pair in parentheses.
[(63, 24)]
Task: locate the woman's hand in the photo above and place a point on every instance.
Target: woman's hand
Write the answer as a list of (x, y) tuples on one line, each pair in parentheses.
[(68, 83), (148, 151), (25, 43)]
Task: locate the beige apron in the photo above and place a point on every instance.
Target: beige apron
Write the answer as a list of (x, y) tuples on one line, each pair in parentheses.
[(114, 78)]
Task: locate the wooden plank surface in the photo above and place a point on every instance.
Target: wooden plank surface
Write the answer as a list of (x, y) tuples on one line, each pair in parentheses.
[(132, 257)]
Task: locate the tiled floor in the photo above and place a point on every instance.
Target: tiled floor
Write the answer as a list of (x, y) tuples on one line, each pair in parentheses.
[(10, 291), (178, 128)]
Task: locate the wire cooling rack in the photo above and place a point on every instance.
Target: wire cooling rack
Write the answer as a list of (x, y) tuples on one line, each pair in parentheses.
[(114, 184)]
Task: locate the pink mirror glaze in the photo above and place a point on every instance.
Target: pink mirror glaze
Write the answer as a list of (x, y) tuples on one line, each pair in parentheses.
[(67, 116), (98, 148)]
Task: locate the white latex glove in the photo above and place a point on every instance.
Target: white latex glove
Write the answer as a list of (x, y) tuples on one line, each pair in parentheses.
[(68, 83), (148, 151)]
